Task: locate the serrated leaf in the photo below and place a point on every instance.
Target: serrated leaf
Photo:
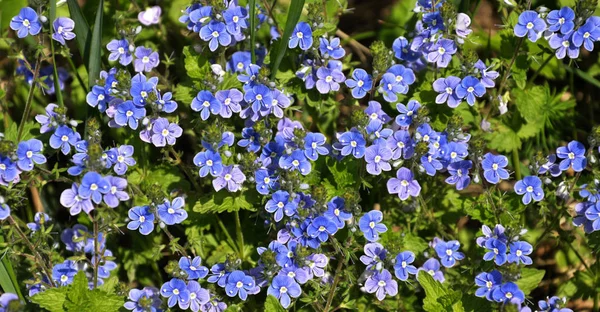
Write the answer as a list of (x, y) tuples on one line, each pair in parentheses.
[(184, 93), (530, 102), (273, 305), (223, 201), (52, 299), (437, 296), (196, 65), (414, 243), (503, 139), (472, 303), (77, 295), (99, 300), (109, 285), (530, 279)]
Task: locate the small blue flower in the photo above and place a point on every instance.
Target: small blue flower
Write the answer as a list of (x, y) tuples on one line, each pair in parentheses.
[(301, 36), (143, 300), (63, 273), (432, 267), (145, 59), (493, 168), (4, 211), (562, 20), (251, 140), (93, 186), (530, 25), (193, 267), (531, 186), (63, 138), (209, 162), (141, 88), (434, 20), (63, 30), (550, 166), (401, 145), (487, 282), (164, 132), (470, 87), (446, 88), (230, 102), (590, 216), (120, 50), (279, 204), (382, 284), (454, 152), (70, 198), (563, 44), (573, 155), (508, 292), (198, 297), (441, 52), (239, 61), (26, 22), (336, 212), (403, 266), (377, 157), (30, 152), (260, 97), (122, 159), (361, 83), (235, 19), (232, 178), (128, 114), (370, 224), (402, 50), (314, 145), (331, 48), (519, 252), (172, 212), (98, 97), (377, 117), (219, 274), (431, 163), (265, 181), (459, 174), (176, 291), (404, 184), (390, 88), (206, 104), (321, 228), (116, 193), (351, 142), (407, 113), (329, 79), (586, 35), (497, 251), (238, 283), (448, 252), (487, 76), (553, 304), (39, 219), (216, 33), (283, 287), (295, 161)]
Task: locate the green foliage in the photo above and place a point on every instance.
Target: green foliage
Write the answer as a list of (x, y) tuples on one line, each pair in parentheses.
[(530, 279), (273, 305), (294, 12), (437, 295), (222, 201), (96, 46)]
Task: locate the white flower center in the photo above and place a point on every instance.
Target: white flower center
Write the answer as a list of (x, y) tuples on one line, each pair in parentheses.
[(453, 155), (193, 296), (240, 65), (145, 59), (280, 204), (64, 138), (360, 83), (215, 34), (227, 101), (296, 163), (495, 166), (59, 30), (267, 180), (64, 278), (206, 104), (404, 183), (209, 163), (176, 291), (381, 283), (449, 252), (403, 264), (227, 177), (561, 20), (93, 187), (431, 272), (571, 155), (121, 50), (113, 190), (100, 97), (529, 25), (321, 228), (129, 113), (530, 189), (586, 35), (259, 97), (448, 90), (399, 78), (336, 212), (489, 284), (565, 43), (441, 50), (165, 132), (353, 143), (144, 94), (313, 145), (299, 35), (283, 289), (26, 23), (470, 89), (235, 19), (239, 284), (328, 79), (372, 224), (377, 158), (171, 211), (29, 154), (519, 253), (509, 295), (142, 219)]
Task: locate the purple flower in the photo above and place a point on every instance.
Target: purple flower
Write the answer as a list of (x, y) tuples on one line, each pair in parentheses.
[(401, 145), (487, 282), (314, 145), (129, 114), (150, 16), (377, 157), (301, 36), (329, 79), (71, 199), (470, 87), (63, 273), (28, 153), (164, 132), (145, 59), (120, 50), (573, 155), (172, 212), (176, 291), (407, 113), (331, 48), (463, 21), (143, 300), (4, 211), (198, 297), (370, 224), (279, 204), (361, 83), (93, 186), (374, 256), (216, 33), (26, 22), (48, 122), (441, 52), (519, 252), (63, 30), (508, 292), (487, 77), (141, 218), (231, 177), (403, 267), (563, 45), (283, 287), (531, 186), (63, 138), (488, 234), (377, 117), (193, 267), (317, 263), (230, 102), (591, 211), (497, 251), (320, 228), (351, 142), (446, 89), (116, 191), (206, 103), (432, 267), (530, 24), (493, 168), (586, 35), (459, 174), (404, 185), (382, 284), (209, 162), (448, 252), (562, 20), (279, 103), (235, 19)]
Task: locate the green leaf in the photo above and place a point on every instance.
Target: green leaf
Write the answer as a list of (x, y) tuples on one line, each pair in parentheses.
[(195, 64), (96, 47), (165, 177), (530, 279), (437, 296), (294, 12), (52, 299), (82, 30), (77, 295), (8, 278), (99, 300), (224, 201), (30, 130), (273, 305), (414, 243), (345, 172), (252, 14), (503, 139), (530, 103), (109, 285), (476, 304), (58, 92)]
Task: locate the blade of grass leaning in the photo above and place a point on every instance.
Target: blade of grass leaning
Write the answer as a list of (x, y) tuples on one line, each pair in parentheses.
[(57, 91), (585, 76), (82, 30), (96, 47), (252, 4), (293, 16), (8, 278)]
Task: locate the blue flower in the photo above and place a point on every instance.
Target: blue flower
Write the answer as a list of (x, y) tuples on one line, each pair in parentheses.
[(251, 140), (401, 145), (370, 224), (63, 30), (553, 304), (4, 211), (98, 97), (470, 87), (283, 287), (361, 83), (235, 19), (314, 145), (487, 76), (493, 168), (432, 267), (121, 157), (143, 300), (240, 284), (573, 155), (390, 88), (301, 234), (63, 273), (487, 282), (231, 177), (8, 170), (446, 88), (39, 219), (206, 104), (403, 266), (260, 97), (331, 48), (336, 212), (351, 142), (498, 233), (454, 152), (142, 88), (239, 61), (402, 50), (165, 132), (279, 204), (285, 254), (320, 228), (120, 50), (519, 252), (382, 284), (377, 117), (441, 52), (530, 25), (219, 274), (531, 186), (562, 20), (459, 174), (116, 191), (209, 162), (434, 20), (377, 157), (265, 181), (128, 114), (28, 153), (145, 59), (407, 113), (230, 101), (497, 251), (431, 163), (249, 79), (302, 36), (216, 33), (295, 161), (141, 218), (176, 291), (404, 184), (93, 186), (27, 22), (448, 252), (193, 267), (329, 79), (508, 292), (586, 35), (172, 212), (198, 297), (550, 166), (48, 121), (589, 216), (563, 44), (70, 198), (63, 138)]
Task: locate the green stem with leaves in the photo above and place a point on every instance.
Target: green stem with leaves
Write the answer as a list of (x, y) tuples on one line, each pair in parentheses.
[(239, 234)]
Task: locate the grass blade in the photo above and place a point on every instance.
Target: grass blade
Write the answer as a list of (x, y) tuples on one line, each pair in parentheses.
[(57, 91), (96, 47), (82, 30), (252, 4), (8, 279), (293, 16)]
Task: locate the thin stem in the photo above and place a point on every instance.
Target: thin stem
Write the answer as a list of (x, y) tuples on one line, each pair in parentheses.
[(507, 73), (36, 254), (270, 12), (338, 276), (28, 104), (580, 258), (539, 70), (224, 229), (79, 79), (96, 250), (516, 163), (240, 235), (185, 170), (172, 239)]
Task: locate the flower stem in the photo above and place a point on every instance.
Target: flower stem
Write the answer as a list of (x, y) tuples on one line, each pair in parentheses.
[(27, 111), (516, 163), (240, 235), (96, 251)]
